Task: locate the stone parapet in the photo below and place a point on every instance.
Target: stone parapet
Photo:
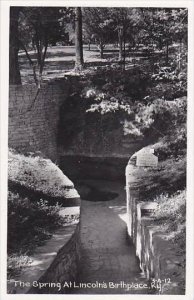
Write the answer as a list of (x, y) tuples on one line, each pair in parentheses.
[(159, 260)]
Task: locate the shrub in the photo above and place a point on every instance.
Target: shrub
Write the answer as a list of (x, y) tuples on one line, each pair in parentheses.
[(164, 117), (171, 212), (15, 263), (29, 223)]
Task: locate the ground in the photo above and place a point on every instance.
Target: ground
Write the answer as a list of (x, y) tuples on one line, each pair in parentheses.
[(61, 59)]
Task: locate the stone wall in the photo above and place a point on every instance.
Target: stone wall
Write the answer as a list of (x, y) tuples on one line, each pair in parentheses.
[(33, 125), (63, 269), (159, 259), (92, 134), (100, 167), (56, 123)]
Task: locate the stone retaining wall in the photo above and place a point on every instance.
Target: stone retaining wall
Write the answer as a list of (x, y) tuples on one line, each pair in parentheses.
[(63, 269), (56, 122), (158, 257), (33, 124)]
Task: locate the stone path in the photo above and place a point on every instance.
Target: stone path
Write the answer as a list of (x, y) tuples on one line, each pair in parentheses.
[(107, 254)]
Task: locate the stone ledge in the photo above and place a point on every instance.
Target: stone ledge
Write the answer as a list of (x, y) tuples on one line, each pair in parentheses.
[(62, 269), (55, 261), (158, 257)]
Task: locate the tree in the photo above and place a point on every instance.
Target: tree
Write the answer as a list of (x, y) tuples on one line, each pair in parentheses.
[(38, 28), (98, 27), (14, 71), (125, 22), (163, 26), (78, 39), (179, 31)]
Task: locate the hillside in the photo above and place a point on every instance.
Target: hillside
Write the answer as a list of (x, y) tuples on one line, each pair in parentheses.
[(37, 190)]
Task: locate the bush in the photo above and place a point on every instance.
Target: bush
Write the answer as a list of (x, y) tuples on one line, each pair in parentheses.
[(15, 263), (29, 223), (162, 116), (171, 213)]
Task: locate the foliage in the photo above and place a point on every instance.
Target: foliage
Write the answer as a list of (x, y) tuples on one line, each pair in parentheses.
[(107, 105), (111, 25), (164, 25), (15, 263), (171, 213), (172, 145), (114, 88), (31, 220), (167, 119), (169, 177), (170, 113), (97, 26), (153, 28), (171, 207), (151, 113), (29, 224), (39, 27), (145, 99)]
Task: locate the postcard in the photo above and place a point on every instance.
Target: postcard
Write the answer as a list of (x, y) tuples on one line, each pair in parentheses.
[(97, 149)]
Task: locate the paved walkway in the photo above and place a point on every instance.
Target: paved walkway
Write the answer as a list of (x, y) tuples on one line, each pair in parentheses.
[(107, 255)]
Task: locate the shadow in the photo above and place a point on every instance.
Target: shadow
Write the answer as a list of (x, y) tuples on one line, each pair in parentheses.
[(35, 195), (56, 54), (60, 54), (91, 193), (104, 51), (100, 63)]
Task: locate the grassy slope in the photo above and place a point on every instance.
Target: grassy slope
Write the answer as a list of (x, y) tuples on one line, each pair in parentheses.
[(31, 220), (39, 174)]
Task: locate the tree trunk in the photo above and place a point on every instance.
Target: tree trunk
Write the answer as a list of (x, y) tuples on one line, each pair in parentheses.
[(89, 45), (180, 49), (101, 48), (120, 38), (78, 40), (14, 71), (167, 52), (124, 48)]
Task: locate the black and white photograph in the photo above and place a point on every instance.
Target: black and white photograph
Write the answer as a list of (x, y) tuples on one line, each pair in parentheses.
[(97, 194)]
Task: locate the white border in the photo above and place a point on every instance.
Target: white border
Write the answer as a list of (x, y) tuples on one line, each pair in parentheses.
[(4, 63)]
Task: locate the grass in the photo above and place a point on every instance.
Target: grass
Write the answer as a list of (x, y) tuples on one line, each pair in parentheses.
[(61, 59), (171, 217), (171, 213), (29, 225), (39, 174), (15, 263), (169, 177), (32, 220)]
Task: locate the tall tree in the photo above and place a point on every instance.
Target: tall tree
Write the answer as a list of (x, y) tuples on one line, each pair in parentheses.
[(164, 26), (39, 27), (14, 71), (124, 21), (98, 26), (78, 39)]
